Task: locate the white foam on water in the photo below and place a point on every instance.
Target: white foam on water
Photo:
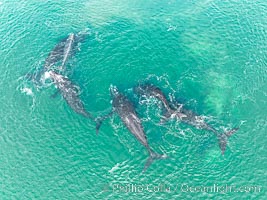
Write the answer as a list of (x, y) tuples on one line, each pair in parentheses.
[(171, 28), (27, 91), (117, 166), (46, 75)]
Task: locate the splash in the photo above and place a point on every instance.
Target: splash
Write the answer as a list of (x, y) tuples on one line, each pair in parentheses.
[(28, 91), (46, 75)]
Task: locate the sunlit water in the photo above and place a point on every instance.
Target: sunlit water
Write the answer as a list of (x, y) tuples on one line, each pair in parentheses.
[(209, 54)]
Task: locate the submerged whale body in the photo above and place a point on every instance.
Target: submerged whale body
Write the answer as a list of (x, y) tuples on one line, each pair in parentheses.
[(180, 113), (70, 93), (126, 111)]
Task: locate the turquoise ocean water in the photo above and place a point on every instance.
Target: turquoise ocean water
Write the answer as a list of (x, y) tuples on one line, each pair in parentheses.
[(210, 54)]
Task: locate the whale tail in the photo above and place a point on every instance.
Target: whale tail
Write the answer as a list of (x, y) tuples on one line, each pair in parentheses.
[(223, 138), (153, 156), (98, 122)]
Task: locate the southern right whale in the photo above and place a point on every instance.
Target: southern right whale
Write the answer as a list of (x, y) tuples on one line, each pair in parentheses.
[(176, 110), (61, 51), (66, 48), (60, 54), (126, 111), (70, 93), (153, 91)]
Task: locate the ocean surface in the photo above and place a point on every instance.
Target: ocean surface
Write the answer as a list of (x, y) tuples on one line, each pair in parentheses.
[(209, 54)]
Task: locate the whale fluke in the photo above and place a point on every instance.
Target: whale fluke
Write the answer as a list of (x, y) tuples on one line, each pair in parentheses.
[(98, 122), (153, 156), (224, 137)]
